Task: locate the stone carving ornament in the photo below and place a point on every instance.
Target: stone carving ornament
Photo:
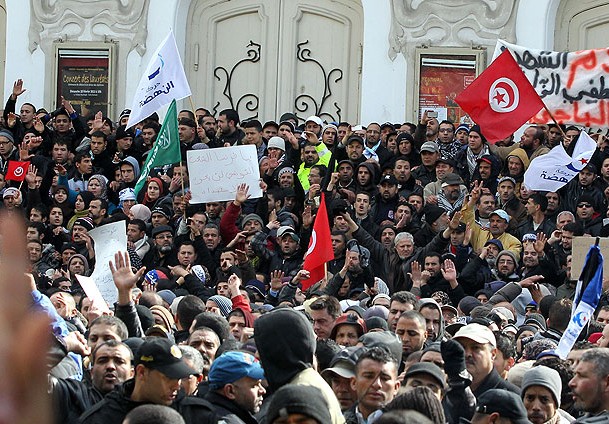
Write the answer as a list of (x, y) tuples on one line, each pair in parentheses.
[(89, 20), (454, 23)]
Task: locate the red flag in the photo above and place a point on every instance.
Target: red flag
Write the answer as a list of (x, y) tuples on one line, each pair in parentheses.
[(320, 247), (501, 99), (16, 170)]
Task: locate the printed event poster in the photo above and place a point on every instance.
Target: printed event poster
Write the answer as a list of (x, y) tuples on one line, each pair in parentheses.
[(109, 239), (84, 80), (215, 173), (442, 78)]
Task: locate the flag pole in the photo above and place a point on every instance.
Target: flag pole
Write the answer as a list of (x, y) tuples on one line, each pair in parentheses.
[(554, 119)]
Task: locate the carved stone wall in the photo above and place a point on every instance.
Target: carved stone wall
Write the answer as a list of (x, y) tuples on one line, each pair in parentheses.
[(122, 22), (450, 23)]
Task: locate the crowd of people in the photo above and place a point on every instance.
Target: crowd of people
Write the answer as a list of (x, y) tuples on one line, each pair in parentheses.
[(450, 288)]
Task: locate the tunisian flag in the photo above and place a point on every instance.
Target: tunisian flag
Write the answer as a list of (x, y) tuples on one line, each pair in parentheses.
[(501, 99), (16, 170), (320, 247)]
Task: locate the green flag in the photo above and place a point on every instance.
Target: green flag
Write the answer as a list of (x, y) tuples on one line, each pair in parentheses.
[(166, 149)]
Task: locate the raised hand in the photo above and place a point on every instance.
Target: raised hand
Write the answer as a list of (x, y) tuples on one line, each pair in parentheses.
[(307, 217), (123, 276), (241, 195), (38, 125), (540, 243), (24, 153), (449, 272), (18, 89), (276, 280)]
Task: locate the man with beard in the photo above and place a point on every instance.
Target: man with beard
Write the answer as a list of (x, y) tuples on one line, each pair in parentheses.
[(436, 221), (404, 218), (162, 252), (485, 206), (207, 131), (561, 243), (111, 366), (427, 130), (388, 234), (374, 148), (228, 132), (339, 246), (287, 257), (451, 197), (590, 384), (498, 224), (426, 172), (536, 262), (235, 387)]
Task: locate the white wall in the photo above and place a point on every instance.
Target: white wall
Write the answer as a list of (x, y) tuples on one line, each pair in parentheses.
[(535, 23), (19, 62), (383, 90)]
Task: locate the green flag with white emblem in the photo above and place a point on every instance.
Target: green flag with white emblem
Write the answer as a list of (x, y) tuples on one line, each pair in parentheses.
[(166, 148)]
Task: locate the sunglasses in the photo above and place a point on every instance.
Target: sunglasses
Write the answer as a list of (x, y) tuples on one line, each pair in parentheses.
[(584, 205)]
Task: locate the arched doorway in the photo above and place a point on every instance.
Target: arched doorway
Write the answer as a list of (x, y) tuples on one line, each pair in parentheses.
[(267, 57), (581, 25)]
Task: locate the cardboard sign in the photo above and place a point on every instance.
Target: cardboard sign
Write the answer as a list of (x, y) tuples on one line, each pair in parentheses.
[(581, 245), (92, 292), (215, 173)]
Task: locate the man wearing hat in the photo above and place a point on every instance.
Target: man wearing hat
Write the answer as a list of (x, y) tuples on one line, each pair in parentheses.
[(81, 237), (451, 196), (480, 348), (312, 154), (541, 389), (426, 374), (387, 199), (355, 149), (436, 221), (298, 404), (586, 215), (235, 387), (340, 373), (584, 184), (426, 172), (159, 367), (498, 224), (286, 257), (11, 198), (163, 252), (313, 125), (500, 406), (8, 151)]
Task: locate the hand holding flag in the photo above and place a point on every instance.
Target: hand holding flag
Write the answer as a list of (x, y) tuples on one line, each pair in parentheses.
[(501, 99)]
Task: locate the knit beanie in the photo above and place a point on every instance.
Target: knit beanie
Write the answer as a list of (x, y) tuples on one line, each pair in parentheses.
[(224, 304), (545, 377), (299, 399), (510, 254)]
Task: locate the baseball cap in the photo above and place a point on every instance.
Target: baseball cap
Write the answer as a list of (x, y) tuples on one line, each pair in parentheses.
[(506, 404), (125, 112), (355, 138), (451, 179), (389, 179), (232, 366), (287, 230), (164, 356), (429, 146), (10, 191), (446, 160), (501, 214), (343, 362), (428, 368), (478, 333)]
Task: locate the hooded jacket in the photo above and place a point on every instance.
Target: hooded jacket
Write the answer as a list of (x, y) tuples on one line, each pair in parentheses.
[(286, 345), (429, 302)]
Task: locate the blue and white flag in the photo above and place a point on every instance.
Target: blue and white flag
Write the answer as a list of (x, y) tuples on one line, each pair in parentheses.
[(587, 296), (163, 81), (553, 170)]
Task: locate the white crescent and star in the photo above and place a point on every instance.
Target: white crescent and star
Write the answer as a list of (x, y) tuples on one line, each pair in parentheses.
[(312, 244), (18, 171), (503, 96)]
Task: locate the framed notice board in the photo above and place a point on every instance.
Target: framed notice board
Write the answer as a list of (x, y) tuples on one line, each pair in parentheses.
[(441, 73), (84, 75)]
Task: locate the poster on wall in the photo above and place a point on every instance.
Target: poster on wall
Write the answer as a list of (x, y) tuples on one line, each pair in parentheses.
[(84, 78), (441, 75)]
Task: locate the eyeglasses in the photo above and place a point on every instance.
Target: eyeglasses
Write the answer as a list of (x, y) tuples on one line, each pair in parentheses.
[(4, 143), (164, 237), (584, 205)]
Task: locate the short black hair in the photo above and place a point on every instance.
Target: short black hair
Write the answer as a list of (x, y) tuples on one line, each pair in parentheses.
[(377, 354), (252, 123), (231, 115), (189, 307)]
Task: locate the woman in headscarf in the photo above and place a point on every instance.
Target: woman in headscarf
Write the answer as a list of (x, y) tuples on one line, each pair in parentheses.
[(81, 207), (98, 185), (152, 192)]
